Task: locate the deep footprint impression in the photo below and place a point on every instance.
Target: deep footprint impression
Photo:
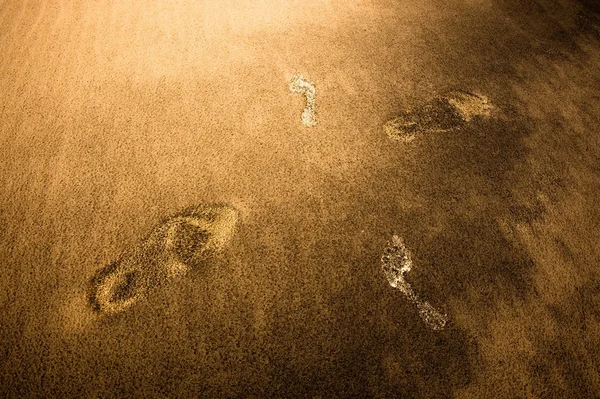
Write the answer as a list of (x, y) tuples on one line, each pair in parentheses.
[(396, 262), (441, 114), (172, 249)]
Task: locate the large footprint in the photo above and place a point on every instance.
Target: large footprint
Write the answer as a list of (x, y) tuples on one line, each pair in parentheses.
[(441, 114), (171, 250)]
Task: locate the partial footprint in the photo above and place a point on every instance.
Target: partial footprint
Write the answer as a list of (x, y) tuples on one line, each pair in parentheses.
[(396, 263), (171, 250), (118, 286), (441, 114)]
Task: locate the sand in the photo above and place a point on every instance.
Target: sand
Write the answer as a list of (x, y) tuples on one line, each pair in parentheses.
[(114, 116)]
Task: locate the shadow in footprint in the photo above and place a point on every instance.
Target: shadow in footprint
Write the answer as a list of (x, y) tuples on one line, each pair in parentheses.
[(178, 244), (450, 111)]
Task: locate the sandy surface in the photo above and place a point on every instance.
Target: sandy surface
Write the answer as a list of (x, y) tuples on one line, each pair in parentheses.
[(115, 115)]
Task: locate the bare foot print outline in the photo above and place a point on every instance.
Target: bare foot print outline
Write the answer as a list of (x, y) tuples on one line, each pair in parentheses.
[(181, 242), (299, 84), (448, 112), (396, 262)]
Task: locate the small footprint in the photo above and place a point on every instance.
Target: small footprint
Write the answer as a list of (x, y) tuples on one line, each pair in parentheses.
[(299, 84), (171, 250), (441, 114), (396, 263)]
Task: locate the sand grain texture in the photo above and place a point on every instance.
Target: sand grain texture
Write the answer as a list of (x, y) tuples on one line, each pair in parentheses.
[(116, 115)]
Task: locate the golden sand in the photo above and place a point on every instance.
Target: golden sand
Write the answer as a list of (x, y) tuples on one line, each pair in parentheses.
[(113, 113)]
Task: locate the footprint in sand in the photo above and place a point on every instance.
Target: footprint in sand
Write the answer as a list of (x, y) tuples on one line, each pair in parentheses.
[(441, 114), (171, 250), (396, 263), (299, 84)]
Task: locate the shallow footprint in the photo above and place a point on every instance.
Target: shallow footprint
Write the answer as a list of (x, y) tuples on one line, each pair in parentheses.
[(396, 262), (194, 235), (299, 84), (441, 114), (171, 250)]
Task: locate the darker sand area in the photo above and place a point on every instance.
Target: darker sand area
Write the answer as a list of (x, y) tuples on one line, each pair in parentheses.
[(116, 115)]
